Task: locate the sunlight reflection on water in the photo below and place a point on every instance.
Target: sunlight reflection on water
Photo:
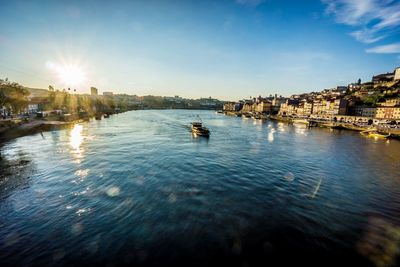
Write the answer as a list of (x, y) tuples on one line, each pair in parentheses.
[(76, 138), (75, 141), (271, 135)]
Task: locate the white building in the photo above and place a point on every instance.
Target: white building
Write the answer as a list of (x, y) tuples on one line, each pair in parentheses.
[(397, 74)]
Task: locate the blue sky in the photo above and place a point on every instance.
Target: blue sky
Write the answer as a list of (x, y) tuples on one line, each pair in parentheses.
[(226, 49)]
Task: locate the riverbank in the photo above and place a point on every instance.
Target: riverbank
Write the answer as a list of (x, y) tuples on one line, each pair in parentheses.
[(14, 128), (32, 127), (375, 130)]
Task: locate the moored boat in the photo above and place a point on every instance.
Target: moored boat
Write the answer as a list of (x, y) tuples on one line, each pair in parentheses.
[(246, 115), (338, 127), (257, 117), (303, 121), (378, 135), (375, 134)]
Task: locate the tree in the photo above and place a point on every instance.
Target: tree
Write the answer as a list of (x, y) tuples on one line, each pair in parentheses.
[(3, 99), (371, 100), (13, 96)]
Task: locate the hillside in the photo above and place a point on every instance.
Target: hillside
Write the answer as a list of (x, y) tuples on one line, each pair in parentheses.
[(36, 92)]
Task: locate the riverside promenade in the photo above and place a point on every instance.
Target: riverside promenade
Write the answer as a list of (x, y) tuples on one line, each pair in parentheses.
[(353, 123)]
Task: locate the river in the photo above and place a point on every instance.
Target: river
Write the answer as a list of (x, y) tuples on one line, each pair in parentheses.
[(138, 188)]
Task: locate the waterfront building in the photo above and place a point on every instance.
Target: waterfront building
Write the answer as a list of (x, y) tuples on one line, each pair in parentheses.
[(276, 104), (388, 113), (238, 106), (278, 101), (264, 106), (299, 110), (319, 106), (229, 106), (289, 108), (36, 104), (304, 109), (108, 93), (308, 107), (254, 108), (346, 118), (248, 106), (283, 110), (330, 107), (364, 111), (352, 103), (340, 106), (390, 102)]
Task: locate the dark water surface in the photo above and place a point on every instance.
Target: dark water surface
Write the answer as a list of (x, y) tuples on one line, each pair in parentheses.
[(137, 188)]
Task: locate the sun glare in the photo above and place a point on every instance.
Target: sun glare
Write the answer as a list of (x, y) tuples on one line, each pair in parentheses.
[(70, 75)]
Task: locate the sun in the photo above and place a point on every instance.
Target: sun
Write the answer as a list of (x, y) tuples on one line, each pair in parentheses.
[(70, 75)]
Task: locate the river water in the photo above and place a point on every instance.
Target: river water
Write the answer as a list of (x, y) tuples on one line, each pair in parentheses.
[(138, 188)]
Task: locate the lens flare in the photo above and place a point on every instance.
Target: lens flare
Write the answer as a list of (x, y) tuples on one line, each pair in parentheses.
[(70, 75)]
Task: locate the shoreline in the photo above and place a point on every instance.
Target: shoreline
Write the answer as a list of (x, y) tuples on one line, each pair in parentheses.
[(391, 133), (33, 127)]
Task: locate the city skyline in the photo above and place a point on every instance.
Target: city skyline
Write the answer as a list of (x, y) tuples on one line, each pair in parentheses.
[(227, 50)]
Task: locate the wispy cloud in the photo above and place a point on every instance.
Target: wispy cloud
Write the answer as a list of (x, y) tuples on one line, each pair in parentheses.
[(385, 49), (367, 36), (250, 2), (374, 19)]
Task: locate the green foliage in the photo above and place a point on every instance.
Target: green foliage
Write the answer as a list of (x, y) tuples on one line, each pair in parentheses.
[(371, 100), (367, 87), (13, 96), (75, 103), (3, 98)]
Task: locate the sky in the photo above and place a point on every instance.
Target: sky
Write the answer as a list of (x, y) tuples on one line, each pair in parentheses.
[(227, 49)]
